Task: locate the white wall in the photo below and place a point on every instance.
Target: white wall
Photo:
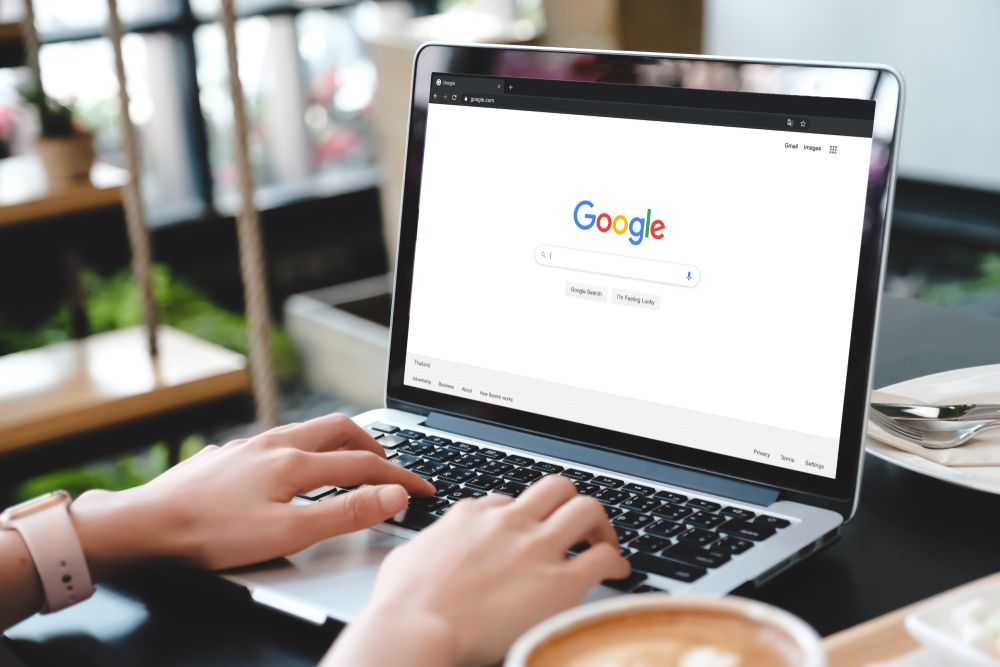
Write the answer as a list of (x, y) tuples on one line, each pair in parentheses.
[(948, 53)]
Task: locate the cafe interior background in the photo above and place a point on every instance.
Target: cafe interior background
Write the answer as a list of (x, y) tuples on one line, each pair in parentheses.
[(325, 85)]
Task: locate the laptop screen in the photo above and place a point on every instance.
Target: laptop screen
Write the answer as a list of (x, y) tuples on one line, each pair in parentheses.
[(670, 263)]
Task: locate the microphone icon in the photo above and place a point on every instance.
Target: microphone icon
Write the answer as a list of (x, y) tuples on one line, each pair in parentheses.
[(689, 275)]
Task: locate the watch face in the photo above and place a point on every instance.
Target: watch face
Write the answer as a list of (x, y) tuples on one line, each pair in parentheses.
[(36, 504)]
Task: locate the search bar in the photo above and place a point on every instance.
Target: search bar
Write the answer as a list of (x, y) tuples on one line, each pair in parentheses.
[(618, 266)]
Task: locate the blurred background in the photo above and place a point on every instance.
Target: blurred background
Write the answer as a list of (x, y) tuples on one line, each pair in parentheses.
[(326, 88)]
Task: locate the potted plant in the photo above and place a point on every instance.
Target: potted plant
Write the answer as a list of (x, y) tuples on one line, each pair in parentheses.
[(65, 148)]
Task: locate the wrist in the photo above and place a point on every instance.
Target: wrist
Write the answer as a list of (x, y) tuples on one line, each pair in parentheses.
[(118, 529), (419, 640)]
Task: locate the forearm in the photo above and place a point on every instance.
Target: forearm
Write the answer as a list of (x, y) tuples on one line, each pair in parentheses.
[(379, 638)]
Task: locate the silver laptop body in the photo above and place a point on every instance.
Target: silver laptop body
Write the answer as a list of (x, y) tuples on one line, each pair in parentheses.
[(601, 189)]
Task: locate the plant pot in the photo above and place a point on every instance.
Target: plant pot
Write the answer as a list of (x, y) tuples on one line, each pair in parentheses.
[(67, 160)]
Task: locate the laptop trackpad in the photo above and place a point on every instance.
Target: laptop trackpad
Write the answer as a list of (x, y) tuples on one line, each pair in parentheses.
[(332, 578)]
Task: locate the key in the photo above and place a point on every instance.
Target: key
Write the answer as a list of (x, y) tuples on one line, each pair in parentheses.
[(772, 521), (523, 475), (733, 545), (665, 529), (613, 496), (738, 513), (429, 468), (484, 482), (649, 543), (604, 480), (417, 448), (699, 537), (638, 488), (413, 519), (405, 461), (586, 489), (470, 461), (625, 534), (512, 489), (633, 519), (628, 583), (578, 475), (491, 453), (443, 488), (666, 567), (747, 530), (316, 494), (547, 468), (641, 504), (464, 447), (646, 588), (705, 520), (673, 512), (437, 440), (456, 475), (465, 492), (496, 468), (670, 496), (706, 505), (519, 460), (443, 455), (410, 435), (428, 504), (385, 428), (686, 552), (390, 441), (612, 512)]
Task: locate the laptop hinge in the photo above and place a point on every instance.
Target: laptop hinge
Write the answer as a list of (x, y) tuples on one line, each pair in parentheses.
[(599, 458)]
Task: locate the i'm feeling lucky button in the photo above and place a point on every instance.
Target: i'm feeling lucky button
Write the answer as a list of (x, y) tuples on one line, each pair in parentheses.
[(635, 299)]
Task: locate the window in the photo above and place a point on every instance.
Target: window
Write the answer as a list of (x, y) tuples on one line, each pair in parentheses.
[(306, 79)]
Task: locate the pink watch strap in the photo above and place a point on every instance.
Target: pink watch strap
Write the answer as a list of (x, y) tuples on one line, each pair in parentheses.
[(52, 541)]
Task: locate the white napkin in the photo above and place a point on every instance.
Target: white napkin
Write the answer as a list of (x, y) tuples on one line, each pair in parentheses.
[(979, 384)]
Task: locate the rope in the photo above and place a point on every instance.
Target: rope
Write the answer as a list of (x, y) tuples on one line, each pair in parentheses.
[(30, 39), (252, 265), (135, 214)]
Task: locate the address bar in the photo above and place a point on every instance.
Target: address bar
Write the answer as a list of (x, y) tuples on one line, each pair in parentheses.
[(618, 266)]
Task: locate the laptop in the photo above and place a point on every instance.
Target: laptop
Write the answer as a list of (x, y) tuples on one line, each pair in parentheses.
[(656, 275)]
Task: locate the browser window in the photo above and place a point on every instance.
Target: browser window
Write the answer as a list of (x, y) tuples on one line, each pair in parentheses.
[(675, 264)]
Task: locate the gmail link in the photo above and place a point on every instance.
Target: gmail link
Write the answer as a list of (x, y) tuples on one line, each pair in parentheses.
[(618, 266)]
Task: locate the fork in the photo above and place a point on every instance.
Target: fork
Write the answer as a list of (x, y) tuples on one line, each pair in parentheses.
[(933, 435)]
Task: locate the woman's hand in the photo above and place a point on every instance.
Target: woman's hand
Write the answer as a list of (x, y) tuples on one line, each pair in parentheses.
[(229, 506), (466, 587)]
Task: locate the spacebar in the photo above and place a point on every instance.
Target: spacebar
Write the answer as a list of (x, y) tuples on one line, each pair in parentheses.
[(666, 568), (413, 519)]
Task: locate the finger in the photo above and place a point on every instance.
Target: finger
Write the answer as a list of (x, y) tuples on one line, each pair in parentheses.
[(324, 434), (543, 497), (580, 519), (599, 562), (494, 500), (346, 513), (346, 468)]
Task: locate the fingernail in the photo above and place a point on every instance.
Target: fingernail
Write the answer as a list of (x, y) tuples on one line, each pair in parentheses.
[(392, 498)]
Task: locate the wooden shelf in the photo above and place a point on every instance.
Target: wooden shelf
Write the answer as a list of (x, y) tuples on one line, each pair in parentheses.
[(109, 379), (25, 194)]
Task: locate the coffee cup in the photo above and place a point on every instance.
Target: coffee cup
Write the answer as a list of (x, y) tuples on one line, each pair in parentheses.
[(659, 630)]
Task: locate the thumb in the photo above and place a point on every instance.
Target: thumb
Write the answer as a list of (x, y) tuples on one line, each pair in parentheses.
[(361, 508)]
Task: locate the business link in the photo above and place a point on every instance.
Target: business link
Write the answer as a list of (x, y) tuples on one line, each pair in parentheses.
[(638, 227)]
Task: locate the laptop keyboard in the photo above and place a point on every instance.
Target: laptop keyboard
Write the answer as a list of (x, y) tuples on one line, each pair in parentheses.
[(677, 536)]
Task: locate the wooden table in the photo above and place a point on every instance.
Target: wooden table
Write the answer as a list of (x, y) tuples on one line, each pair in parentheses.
[(883, 638)]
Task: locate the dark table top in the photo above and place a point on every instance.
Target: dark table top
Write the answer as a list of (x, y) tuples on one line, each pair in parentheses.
[(912, 537)]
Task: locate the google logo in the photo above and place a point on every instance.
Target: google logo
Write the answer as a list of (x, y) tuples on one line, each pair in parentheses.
[(638, 227)]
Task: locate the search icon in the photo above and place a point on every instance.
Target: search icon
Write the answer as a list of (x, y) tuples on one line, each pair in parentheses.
[(542, 253)]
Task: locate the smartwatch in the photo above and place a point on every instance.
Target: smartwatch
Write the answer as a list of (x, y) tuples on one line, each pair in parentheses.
[(47, 530)]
